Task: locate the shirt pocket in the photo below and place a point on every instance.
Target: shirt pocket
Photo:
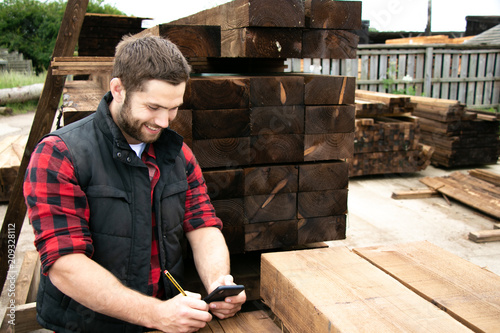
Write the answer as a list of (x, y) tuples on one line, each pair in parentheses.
[(110, 210), (173, 200)]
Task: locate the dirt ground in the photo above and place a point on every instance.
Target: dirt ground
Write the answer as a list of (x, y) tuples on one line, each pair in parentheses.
[(374, 218)]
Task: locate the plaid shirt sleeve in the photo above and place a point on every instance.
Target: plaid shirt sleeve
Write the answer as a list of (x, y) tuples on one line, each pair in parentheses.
[(199, 210), (57, 206)]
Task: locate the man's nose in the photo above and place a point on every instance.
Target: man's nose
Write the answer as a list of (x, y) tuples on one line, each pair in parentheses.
[(162, 119)]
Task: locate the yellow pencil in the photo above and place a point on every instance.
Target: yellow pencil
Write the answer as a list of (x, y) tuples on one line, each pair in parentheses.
[(171, 278)]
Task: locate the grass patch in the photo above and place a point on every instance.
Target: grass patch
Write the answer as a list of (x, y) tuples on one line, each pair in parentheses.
[(13, 80)]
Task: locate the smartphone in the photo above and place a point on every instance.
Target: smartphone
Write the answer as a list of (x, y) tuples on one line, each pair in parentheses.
[(221, 292)]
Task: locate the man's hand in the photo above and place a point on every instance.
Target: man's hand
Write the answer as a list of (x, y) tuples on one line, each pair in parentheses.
[(231, 305), (182, 314)]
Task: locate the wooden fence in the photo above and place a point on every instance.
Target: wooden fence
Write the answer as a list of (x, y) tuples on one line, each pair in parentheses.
[(468, 73)]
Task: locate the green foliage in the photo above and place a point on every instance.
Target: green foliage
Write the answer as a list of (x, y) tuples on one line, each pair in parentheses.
[(31, 27)]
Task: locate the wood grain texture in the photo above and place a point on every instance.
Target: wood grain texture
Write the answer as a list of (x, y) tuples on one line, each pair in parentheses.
[(329, 119), (321, 203), (319, 229), (323, 147), (465, 291), (325, 290), (270, 235), (328, 90), (250, 13), (265, 120), (327, 14), (330, 44), (323, 176)]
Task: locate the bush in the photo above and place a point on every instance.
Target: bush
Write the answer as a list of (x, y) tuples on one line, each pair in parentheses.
[(31, 27)]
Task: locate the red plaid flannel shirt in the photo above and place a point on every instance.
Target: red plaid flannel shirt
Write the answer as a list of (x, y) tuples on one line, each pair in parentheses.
[(59, 212)]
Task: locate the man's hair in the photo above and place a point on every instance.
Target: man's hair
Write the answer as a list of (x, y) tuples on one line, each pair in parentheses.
[(139, 59)]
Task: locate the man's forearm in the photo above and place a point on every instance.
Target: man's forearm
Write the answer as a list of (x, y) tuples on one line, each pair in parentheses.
[(210, 253), (96, 288)]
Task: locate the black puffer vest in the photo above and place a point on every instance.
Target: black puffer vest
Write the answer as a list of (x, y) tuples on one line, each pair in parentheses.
[(117, 186)]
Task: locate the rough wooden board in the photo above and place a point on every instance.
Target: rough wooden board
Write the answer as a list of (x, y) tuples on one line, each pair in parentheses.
[(415, 194), (486, 175), (25, 320), (483, 236), (485, 202), (467, 292), (333, 289)]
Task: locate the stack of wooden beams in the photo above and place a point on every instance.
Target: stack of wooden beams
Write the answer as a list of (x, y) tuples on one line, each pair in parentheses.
[(272, 146), (459, 137), (255, 138), (397, 288), (386, 136)]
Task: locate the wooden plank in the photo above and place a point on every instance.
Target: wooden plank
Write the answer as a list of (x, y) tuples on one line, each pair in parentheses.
[(28, 278), (334, 146), (218, 124), (333, 44), (277, 120), (270, 207), (415, 194), (271, 235), (274, 149), (258, 42), (484, 236), (250, 13), (467, 292), (477, 198), (321, 203), (329, 89), (42, 122), (211, 93), (276, 90), (271, 180), (326, 14), (318, 229), (325, 290), (193, 41), (243, 322), (227, 152), (329, 119), (486, 175), (25, 320), (323, 176)]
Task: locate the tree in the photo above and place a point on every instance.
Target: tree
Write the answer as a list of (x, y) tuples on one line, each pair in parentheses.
[(31, 27)]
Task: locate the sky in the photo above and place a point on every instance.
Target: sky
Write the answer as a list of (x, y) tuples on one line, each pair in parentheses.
[(384, 15)]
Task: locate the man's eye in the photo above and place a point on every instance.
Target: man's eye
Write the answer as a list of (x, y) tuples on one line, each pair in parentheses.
[(153, 107)]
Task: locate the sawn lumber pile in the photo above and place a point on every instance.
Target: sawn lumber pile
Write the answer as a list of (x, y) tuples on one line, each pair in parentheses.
[(409, 287), (459, 137), (272, 146), (386, 136)]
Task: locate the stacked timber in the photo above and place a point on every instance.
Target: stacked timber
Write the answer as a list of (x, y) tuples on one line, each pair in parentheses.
[(272, 146), (459, 137), (256, 138), (386, 136)]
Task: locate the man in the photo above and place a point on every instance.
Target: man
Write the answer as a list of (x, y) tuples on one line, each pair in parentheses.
[(112, 197)]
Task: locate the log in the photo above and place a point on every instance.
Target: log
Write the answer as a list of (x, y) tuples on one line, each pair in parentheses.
[(21, 94), (318, 229), (271, 235), (210, 93), (340, 89), (322, 203), (270, 180), (276, 90), (276, 148), (334, 146), (323, 176), (213, 124)]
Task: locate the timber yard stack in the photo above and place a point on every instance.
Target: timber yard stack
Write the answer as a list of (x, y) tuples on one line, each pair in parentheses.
[(272, 146), (459, 137), (386, 136)]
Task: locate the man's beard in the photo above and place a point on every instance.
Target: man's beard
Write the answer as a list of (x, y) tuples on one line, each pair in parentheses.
[(133, 127)]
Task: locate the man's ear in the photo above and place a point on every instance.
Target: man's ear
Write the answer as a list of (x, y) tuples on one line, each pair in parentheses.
[(117, 90)]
